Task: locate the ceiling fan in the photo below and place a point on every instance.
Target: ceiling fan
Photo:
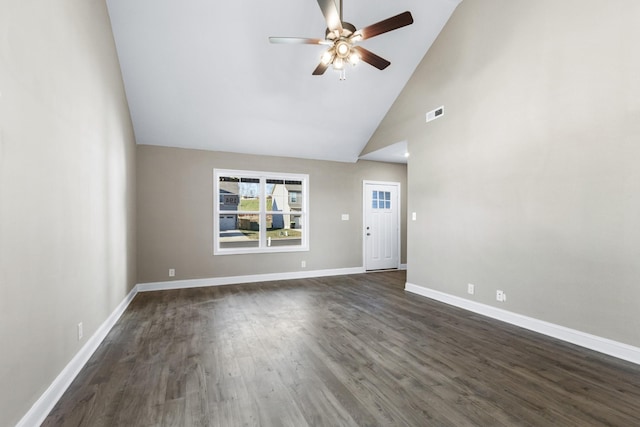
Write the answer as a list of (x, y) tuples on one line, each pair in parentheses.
[(341, 37)]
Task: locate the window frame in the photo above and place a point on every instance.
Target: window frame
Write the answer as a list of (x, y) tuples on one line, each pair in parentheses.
[(262, 211)]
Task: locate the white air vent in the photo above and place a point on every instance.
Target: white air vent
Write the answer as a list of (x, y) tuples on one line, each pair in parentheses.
[(434, 114)]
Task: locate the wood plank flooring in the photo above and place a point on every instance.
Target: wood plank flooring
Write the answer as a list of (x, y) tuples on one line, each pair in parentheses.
[(338, 351)]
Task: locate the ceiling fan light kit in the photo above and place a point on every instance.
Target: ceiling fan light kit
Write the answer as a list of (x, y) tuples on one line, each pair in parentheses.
[(341, 37)]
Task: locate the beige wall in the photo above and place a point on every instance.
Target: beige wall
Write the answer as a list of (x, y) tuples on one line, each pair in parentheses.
[(175, 213), (67, 158), (530, 182)]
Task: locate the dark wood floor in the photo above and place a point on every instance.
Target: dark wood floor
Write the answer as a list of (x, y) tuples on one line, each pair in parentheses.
[(340, 351)]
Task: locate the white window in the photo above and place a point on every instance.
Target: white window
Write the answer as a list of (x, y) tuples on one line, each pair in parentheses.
[(260, 212)]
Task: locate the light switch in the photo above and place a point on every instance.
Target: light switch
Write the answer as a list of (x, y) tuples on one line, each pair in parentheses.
[(345, 217), (413, 216)]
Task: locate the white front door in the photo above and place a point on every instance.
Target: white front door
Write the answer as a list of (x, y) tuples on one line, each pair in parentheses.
[(381, 225)]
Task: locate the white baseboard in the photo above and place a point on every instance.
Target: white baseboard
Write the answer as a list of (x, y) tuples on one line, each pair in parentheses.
[(50, 397), (233, 280), (592, 342)]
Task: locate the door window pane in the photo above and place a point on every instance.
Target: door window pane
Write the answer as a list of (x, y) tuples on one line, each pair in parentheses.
[(381, 200)]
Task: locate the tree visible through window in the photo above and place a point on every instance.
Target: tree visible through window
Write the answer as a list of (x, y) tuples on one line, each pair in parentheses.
[(260, 212)]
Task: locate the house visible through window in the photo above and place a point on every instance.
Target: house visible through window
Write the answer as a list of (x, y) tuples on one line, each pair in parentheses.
[(260, 212)]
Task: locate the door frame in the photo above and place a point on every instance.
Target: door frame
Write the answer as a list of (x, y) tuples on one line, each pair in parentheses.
[(364, 218)]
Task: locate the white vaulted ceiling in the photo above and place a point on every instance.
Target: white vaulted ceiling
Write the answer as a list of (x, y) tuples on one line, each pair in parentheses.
[(202, 73)]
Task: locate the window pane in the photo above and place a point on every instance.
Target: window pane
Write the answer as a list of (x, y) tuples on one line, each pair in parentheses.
[(294, 188), (239, 231), (229, 193), (289, 235), (284, 196), (277, 199), (239, 193), (388, 204), (374, 204)]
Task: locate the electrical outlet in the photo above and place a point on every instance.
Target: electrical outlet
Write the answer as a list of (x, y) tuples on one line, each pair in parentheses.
[(500, 296), (80, 331), (303, 264), (172, 272), (471, 288)]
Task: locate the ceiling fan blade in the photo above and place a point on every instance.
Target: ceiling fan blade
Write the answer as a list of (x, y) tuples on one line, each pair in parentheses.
[(331, 14), (385, 26), (297, 40), (371, 58), (320, 69)]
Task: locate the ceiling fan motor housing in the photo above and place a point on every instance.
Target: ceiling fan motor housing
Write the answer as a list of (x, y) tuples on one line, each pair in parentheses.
[(347, 30)]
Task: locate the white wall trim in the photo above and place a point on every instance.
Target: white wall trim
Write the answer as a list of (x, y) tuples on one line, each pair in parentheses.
[(402, 267), (50, 397), (234, 280), (583, 339)]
